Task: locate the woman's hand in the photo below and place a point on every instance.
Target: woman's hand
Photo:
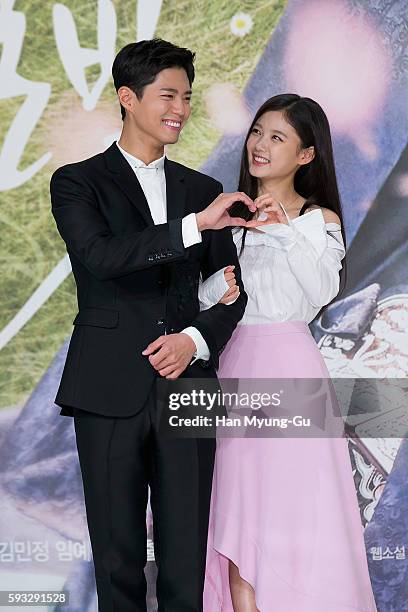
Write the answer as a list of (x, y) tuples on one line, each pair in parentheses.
[(233, 292), (269, 211), (216, 215)]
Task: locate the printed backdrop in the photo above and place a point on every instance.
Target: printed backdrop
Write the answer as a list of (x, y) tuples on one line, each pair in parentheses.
[(58, 105)]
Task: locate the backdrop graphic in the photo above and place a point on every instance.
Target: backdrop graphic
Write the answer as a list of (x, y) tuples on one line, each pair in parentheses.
[(57, 105)]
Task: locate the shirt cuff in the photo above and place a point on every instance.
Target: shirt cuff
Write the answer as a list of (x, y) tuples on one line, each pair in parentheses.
[(212, 289), (202, 350), (189, 230), (284, 236)]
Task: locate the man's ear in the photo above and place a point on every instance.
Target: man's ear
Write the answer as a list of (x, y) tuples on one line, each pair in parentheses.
[(306, 155), (126, 97)]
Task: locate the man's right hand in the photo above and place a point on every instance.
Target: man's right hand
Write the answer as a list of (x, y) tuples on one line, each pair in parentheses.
[(216, 215)]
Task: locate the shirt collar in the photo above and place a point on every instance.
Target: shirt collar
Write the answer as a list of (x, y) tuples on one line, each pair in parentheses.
[(157, 164)]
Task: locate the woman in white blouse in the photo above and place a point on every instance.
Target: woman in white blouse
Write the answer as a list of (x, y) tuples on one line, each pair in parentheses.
[(285, 533)]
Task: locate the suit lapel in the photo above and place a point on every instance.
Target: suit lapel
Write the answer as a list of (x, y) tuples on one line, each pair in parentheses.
[(124, 177), (176, 191)]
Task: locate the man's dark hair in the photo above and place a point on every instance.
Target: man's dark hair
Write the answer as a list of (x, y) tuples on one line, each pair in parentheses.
[(138, 64)]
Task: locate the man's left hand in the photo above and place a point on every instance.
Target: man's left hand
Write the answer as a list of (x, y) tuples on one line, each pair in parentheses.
[(170, 354)]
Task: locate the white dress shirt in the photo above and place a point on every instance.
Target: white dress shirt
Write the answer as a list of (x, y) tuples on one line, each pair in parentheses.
[(152, 180), (289, 271)]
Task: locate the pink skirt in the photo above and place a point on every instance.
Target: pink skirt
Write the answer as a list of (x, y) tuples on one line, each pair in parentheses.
[(284, 510)]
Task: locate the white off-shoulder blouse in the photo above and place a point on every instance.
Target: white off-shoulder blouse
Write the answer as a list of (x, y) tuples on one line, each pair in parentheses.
[(289, 271)]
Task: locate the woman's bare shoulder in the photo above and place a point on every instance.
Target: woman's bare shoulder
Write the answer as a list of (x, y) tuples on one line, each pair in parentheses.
[(329, 215)]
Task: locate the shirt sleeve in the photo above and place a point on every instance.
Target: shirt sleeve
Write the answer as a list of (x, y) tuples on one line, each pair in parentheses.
[(202, 350), (212, 289), (314, 253), (317, 275), (189, 230)]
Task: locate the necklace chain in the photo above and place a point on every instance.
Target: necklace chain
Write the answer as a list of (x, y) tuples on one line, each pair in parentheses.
[(292, 202)]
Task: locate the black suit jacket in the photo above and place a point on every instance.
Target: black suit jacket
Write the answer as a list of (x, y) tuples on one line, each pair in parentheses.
[(135, 280)]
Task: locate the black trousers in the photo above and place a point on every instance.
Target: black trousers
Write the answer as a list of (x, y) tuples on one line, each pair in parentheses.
[(119, 459)]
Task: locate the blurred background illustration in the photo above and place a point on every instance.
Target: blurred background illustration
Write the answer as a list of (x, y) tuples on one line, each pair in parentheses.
[(58, 105)]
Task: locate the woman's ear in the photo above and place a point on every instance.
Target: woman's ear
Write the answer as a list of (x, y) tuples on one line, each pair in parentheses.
[(306, 155)]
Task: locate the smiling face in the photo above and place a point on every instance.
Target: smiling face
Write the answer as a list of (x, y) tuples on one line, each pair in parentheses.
[(274, 148), (163, 110)]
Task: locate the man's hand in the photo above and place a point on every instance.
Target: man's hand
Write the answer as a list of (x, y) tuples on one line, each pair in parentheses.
[(216, 216), (174, 353), (233, 292), (269, 211)]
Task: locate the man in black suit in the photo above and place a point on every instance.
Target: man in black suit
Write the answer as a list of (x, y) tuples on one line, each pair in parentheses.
[(139, 231)]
